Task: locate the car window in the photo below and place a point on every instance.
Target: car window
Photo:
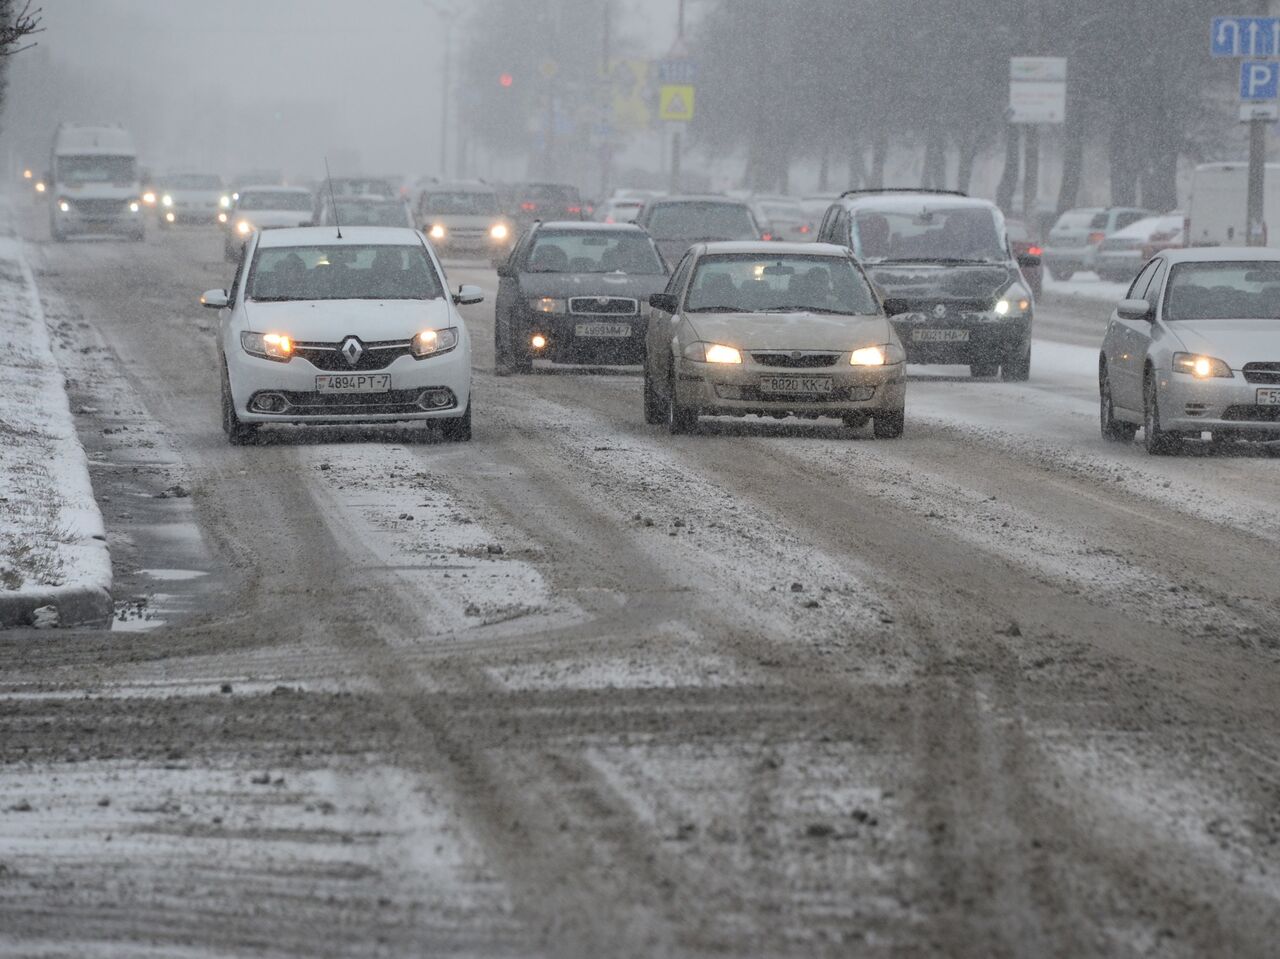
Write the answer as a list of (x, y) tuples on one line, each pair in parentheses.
[(343, 273), (1099, 221), (193, 181), (1142, 281), (701, 221), (744, 283), (96, 169), (969, 234), (594, 251), (680, 276), (826, 231), (357, 213), (274, 200), (1223, 291), (1125, 219)]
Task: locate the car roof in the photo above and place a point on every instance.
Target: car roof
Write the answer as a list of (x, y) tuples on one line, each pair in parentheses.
[(351, 236), (589, 226), (698, 198), (767, 247), (366, 198), (272, 188), (1222, 254), (905, 202)]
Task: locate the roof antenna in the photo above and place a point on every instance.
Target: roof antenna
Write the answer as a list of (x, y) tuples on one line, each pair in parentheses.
[(329, 177)]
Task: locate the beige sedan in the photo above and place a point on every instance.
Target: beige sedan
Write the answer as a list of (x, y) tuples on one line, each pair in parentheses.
[(774, 329)]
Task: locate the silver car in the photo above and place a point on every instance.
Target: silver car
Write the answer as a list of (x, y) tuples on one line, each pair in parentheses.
[(1195, 347), (773, 329), (1074, 240)]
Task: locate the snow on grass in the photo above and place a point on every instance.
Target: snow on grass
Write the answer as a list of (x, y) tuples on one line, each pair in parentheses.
[(52, 541), (1086, 286)]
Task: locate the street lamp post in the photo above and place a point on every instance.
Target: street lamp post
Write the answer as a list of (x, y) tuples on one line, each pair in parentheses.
[(449, 15)]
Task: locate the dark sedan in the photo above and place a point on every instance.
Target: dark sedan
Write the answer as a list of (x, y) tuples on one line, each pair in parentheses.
[(575, 292), (677, 223)]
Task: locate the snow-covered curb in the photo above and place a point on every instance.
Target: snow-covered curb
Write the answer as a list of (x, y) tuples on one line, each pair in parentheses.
[(1096, 290), (53, 546)]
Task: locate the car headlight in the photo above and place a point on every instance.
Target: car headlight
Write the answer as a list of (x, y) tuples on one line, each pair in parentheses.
[(64, 206), (222, 217), (244, 227), (224, 201), (499, 231), (270, 346), (1015, 300), (437, 231), (133, 206), (712, 353), (167, 200), (149, 198), (548, 304), (40, 187), (431, 342), (1201, 367)]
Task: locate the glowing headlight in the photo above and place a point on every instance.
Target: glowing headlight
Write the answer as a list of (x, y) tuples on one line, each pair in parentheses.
[(244, 227), (271, 346), (538, 341), (40, 187), (437, 232), (222, 217), (1014, 301), (26, 174), (149, 198), (499, 231), (167, 200), (224, 201), (64, 206), (1201, 367), (169, 217), (548, 304), (431, 342), (712, 353), (868, 356), (133, 207)]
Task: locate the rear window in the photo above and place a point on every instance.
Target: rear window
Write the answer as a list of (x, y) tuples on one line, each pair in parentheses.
[(1079, 220), (274, 200), (702, 222)]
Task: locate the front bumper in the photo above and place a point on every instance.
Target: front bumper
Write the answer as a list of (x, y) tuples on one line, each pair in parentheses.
[(565, 345), (991, 341), (251, 377), (75, 221), (1219, 404), (735, 390)]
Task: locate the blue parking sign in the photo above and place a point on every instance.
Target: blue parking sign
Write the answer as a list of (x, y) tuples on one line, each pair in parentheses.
[(1259, 80)]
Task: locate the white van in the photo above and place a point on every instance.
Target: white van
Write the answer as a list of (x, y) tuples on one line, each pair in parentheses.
[(93, 183), (1219, 205)]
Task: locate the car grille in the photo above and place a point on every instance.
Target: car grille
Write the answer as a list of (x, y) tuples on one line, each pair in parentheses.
[(849, 394), (100, 209), (1262, 374), (797, 360), (604, 306), (352, 404), (376, 356), (1252, 414)]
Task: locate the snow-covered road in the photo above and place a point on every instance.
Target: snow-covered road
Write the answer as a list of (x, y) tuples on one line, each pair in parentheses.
[(582, 688)]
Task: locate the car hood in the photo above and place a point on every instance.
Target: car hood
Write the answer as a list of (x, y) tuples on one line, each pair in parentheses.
[(328, 321), (1235, 342), (563, 285), (790, 331), (941, 283), (266, 219)]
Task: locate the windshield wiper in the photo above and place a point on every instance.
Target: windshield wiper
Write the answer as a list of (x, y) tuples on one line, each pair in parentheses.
[(805, 309), (944, 260), (716, 309)]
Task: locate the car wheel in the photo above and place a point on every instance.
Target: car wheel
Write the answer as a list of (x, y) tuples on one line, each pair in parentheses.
[(653, 411), (238, 434), (980, 370), (1112, 428), (457, 429), (1017, 368), (680, 419), (1155, 439), (889, 424)]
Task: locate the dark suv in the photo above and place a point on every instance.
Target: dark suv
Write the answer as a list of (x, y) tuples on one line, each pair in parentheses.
[(951, 284), (575, 292), (678, 222)]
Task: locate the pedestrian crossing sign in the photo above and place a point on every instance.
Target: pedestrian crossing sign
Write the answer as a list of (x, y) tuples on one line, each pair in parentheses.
[(675, 103)]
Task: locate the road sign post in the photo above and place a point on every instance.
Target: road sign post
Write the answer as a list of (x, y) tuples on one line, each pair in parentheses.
[(1252, 38)]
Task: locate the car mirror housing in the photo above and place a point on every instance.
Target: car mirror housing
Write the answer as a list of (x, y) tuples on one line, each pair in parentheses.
[(1135, 310), (896, 307), (215, 299), (666, 302), (468, 295), (505, 269)]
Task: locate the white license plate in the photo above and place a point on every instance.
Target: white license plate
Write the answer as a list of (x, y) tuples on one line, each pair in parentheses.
[(796, 384), (603, 330), (1269, 396), (354, 383), (940, 336)]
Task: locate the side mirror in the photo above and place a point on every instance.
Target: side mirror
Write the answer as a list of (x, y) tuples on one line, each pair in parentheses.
[(215, 299), (1134, 310), (896, 307), (665, 302), (1028, 260), (468, 295)]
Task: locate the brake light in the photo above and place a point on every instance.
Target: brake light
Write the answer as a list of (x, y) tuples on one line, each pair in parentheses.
[(766, 236), (804, 228), (610, 219), (1034, 251), (575, 209), (528, 207), (1096, 238)]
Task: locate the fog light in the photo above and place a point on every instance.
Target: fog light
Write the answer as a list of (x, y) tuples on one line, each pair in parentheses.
[(270, 403), (538, 341), (170, 218), (437, 399)]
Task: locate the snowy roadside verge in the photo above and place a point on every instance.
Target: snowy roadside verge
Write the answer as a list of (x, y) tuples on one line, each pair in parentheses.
[(55, 568)]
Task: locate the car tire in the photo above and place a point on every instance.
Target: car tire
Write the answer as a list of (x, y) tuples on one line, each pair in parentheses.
[(1113, 430), (1156, 441), (889, 424), (983, 370), (238, 433), (458, 428), (653, 409), (680, 419), (1017, 368)]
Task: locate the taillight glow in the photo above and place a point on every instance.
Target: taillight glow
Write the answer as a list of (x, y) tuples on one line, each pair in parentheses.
[(528, 207), (1034, 251), (1095, 238)]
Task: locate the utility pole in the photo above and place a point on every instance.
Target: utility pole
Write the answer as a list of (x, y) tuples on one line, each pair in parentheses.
[(1255, 215), (677, 140), (606, 100), (444, 97)]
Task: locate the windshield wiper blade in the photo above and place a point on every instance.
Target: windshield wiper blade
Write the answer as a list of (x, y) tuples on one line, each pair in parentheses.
[(806, 309), (716, 309)]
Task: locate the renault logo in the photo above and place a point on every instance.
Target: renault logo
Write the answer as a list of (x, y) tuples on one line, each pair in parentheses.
[(940, 310), (352, 350)]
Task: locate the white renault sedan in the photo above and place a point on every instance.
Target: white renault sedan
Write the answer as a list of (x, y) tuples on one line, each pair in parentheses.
[(1194, 348), (356, 328)]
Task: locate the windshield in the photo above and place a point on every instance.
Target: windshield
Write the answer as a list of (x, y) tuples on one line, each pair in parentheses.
[(964, 234), (594, 252), (702, 221), (779, 284), (462, 204), (355, 213), (343, 273), (193, 181), (274, 200), (97, 169), (1223, 291)]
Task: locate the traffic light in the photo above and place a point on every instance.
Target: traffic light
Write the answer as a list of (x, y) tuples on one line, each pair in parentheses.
[(506, 81)]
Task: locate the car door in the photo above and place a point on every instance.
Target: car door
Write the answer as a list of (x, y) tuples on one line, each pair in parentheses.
[(1131, 340), (661, 326)]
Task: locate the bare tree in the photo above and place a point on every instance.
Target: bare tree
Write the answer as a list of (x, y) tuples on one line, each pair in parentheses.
[(18, 26)]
